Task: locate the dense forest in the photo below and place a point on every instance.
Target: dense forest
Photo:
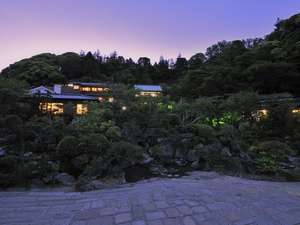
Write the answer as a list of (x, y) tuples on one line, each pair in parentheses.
[(266, 65), (191, 126)]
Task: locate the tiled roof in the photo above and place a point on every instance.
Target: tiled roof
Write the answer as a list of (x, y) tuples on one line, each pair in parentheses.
[(148, 87), (73, 97)]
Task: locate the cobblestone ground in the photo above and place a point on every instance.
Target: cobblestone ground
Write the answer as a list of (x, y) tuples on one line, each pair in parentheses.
[(201, 198)]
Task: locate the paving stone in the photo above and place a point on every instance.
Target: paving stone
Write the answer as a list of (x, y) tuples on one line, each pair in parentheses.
[(139, 222), (188, 220), (172, 212), (78, 223), (107, 211), (172, 221), (122, 218), (137, 213), (161, 204), (149, 207), (184, 210), (199, 209), (106, 220), (155, 222), (201, 198), (155, 215)]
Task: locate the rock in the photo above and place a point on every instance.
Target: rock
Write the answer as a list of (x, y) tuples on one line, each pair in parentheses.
[(158, 170), (65, 179), (180, 162), (147, 159), (36, 183), (195, 165), (162, 152), (192, 156), (28, 154), (90, 184), (172, 170), (112, 181), (226, 152), (295, 161), (2, 152), (291, 174)]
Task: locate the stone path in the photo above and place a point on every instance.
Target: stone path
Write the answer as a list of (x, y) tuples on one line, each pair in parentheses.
[(201, 198)]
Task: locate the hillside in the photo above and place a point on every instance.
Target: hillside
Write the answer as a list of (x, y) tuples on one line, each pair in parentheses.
[(267, 65)]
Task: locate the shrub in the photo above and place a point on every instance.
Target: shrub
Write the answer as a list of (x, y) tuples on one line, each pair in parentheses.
[(68, 147), (113, 132), (269, 155), (93, 144), (204, 133)]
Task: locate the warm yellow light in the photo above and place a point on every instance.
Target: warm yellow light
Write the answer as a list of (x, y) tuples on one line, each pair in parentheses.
[(296, 111), (86, 89), (100, 89), (76, 87), (261, 114), (111, 99), (148, 93), (52, 107), (94, 89), (81, 109)]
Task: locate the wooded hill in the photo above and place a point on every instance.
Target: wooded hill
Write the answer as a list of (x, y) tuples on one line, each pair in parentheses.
[(266, 65)]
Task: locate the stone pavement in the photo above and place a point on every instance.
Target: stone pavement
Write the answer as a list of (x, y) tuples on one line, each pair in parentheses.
[(201, 198)]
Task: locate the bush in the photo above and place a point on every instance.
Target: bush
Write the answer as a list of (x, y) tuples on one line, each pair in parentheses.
[(68, 147), (204, 133), (93, 144), (113, 132), (269, 155)]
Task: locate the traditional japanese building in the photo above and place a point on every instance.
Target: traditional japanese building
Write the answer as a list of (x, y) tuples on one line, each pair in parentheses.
[(55, 99)]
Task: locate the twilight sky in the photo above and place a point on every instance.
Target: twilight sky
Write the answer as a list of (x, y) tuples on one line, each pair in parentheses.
[(133, 28)]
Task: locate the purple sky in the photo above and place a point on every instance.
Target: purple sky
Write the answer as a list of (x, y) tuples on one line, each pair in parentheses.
[(132, 27)]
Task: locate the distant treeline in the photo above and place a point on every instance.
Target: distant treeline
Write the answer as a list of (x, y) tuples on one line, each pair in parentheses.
[(266, 65)]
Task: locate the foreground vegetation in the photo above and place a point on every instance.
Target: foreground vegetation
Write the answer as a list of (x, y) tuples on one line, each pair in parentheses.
[(191, 127)]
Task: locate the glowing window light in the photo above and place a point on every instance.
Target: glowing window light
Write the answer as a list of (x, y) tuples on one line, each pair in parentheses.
[(296, 110), (76, 87), (52, 107), (70, 85), (111, 99), (86, 89), (94, 89), (261, 114), (81, 109)]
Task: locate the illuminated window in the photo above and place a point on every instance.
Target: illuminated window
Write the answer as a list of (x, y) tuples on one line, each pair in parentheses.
[(111, 99), (76, 87), (124, 108), (296, 110), (148, 93), (106, 89), (100, 89), (70, 85), (81, 109), (100, 99), (261, 114), (54, 108), (86, 89)]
